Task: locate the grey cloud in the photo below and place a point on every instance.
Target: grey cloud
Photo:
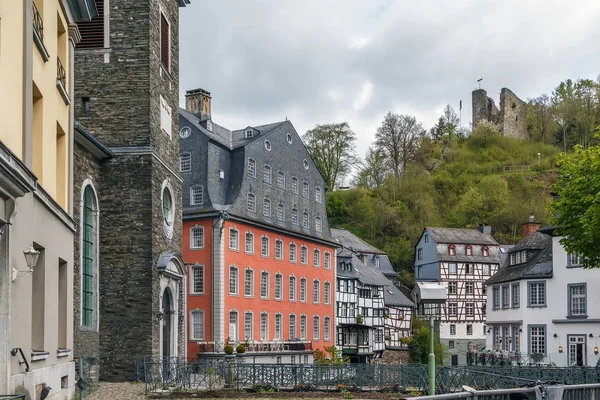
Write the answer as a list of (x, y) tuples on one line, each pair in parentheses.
[(265, 60)]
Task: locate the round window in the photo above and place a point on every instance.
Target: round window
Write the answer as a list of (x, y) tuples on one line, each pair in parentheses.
[(185, 132), (305, 164), (289, 138), (267, 145), (167, 206)]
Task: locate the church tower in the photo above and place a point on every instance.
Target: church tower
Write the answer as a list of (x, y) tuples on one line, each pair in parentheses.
[(126, 98)]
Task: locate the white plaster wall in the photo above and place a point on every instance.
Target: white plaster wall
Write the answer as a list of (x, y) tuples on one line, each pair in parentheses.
[(461, 331)]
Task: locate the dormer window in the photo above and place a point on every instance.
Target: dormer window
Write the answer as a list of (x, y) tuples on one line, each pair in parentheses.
[(249, 133), (451, 250), (209, 125), (485, 251), (469, 250), (518, 257), (376, 260)]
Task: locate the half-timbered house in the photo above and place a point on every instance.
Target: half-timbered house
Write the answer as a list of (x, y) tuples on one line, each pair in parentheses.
[(372, 314), (463, 259)]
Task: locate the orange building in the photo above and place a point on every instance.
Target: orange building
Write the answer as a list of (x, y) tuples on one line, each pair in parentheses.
[(258, 249)]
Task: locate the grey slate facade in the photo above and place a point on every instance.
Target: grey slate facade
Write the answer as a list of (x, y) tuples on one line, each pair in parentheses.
[(124, 89), (229, 153)]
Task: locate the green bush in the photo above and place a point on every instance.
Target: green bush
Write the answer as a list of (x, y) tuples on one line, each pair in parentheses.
[(228, 349)]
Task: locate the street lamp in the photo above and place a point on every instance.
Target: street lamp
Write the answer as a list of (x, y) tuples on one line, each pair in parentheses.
[(31, 259), (430, 298)]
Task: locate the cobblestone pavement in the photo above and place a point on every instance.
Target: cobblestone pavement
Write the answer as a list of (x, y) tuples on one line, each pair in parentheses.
[(119, 391)]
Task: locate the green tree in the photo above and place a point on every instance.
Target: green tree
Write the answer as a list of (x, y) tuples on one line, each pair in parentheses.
[(577, 208), (451, 121), (332, 148), (540, 121), (372, 171), (420, 343), (398, 138)]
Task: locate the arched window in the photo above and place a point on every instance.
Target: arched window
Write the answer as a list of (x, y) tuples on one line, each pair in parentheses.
[(233, 280), (316, 291), (485, 251), (303, 255), (89, 258), (452, 250), (267, 175), (327, 329), (278, 249), (264, 246), (292, 321), (294, 216), (316, 258), (248, 282), (249, 245), (469, 250), (292, 252), (278, 287), (278, 327), (251, 203), (327, 293), (280, 211), (292, 288), (305, 223), (318, 196), (318, 224), (248, 323), (251, 168), (327, 260), (303, 290), (303, 326), (316, 330), (267, 208), (264, 285)]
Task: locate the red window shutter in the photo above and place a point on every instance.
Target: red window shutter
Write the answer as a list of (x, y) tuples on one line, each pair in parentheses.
[(165, 50), (92, 32)]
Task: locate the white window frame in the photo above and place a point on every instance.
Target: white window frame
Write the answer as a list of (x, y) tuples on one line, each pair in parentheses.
[(278, 249), (292, 288), (281, 180), (278, 289), (264, 284), (303, 255), (316, 292), (197, 334), (293, 252), (318, 224), (249, 335), (193, 269), (294, 185), (252, 168), (316, 327), (295, 216), (327, 262), (292, 326), (264, 326), (305, 220), (316, 258), (249, 244), (327, 293), (318, 195), (280, 211), (196, 195), (194, 244), (234, 279), (264, 246), (327, 329), (305, 190), (278, 332), (303, 284), (251, 203), (267, 175), (249, 283), (267, 208), (303, 324), (185, 162), (234, 239)]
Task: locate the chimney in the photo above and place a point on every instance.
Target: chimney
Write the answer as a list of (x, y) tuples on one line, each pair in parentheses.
[(198, 102), (530, 226), (483, 228)]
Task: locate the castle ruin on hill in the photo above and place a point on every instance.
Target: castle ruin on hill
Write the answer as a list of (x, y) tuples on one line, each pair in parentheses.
[(511, 117)]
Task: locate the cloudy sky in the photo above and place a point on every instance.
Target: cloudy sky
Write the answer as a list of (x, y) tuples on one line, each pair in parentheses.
[(322, 61)]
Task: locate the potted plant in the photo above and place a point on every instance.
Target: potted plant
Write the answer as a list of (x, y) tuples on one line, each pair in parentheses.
[(359, 319), (388, 338), (240, 348), (228, 349)]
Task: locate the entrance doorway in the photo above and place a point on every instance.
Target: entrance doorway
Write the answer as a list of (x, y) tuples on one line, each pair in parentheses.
[(454, 359), (577, 351), (167, 306)]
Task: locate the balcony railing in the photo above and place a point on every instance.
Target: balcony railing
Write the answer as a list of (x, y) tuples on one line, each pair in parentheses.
[(258, 347), (61, 81), (38, 33), (38, 23)]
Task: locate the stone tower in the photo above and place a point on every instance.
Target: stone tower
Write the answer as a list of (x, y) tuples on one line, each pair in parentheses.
[(510, 118), (126, 95)]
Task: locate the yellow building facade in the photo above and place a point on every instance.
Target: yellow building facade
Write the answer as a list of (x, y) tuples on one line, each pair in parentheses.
[(37, 39)]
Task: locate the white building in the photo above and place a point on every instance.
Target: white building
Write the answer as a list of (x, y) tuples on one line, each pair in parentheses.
[(462, 260), (541, 309)]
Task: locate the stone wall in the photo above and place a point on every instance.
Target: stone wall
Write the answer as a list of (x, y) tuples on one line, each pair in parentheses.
[(124, 83), (395, 357), (461, 347), (85, 169), (510, 117)]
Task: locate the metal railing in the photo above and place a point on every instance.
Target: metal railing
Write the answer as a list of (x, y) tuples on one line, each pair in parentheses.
[(567, 392), (257, 347), (38, 23), (61, 75), (12, 396)]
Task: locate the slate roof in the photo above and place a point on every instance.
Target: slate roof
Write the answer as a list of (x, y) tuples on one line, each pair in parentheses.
[(385, 265), (504, 249), (220, 135), (460, 235), (392, 296), (538, 265), (350, 240), (365, 274)]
